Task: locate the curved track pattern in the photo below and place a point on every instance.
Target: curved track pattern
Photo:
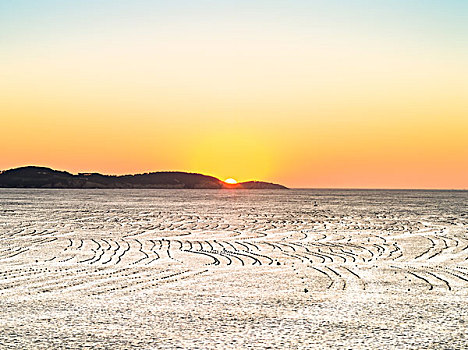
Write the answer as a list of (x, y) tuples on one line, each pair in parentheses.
[(97, 243), (208, 269)]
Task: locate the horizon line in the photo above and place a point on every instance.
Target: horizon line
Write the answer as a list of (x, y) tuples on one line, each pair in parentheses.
[(291, 188)]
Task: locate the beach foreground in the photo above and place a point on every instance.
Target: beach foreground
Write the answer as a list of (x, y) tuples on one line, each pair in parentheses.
[(253, 269)]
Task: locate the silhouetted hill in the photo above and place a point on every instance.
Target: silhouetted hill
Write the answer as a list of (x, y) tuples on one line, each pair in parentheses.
[(260, 185), (41, 177)]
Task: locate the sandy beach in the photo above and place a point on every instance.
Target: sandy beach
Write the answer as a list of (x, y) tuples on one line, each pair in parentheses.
[(211, 269)]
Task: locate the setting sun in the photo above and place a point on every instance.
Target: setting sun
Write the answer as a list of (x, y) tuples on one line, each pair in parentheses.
[(230, 181), (253, 89)]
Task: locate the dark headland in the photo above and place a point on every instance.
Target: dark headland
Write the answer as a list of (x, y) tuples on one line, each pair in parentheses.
[(41, 177)]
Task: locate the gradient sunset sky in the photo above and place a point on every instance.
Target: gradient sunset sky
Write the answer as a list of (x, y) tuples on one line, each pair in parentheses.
[(367, 94)]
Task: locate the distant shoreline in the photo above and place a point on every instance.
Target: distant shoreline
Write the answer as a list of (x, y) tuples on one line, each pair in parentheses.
[(255, 189), (42, 177)]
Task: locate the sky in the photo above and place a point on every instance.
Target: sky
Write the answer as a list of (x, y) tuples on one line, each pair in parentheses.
[(346, 94)]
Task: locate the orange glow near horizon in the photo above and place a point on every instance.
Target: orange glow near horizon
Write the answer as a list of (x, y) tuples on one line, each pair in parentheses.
[(305, 94), (230, 181)]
